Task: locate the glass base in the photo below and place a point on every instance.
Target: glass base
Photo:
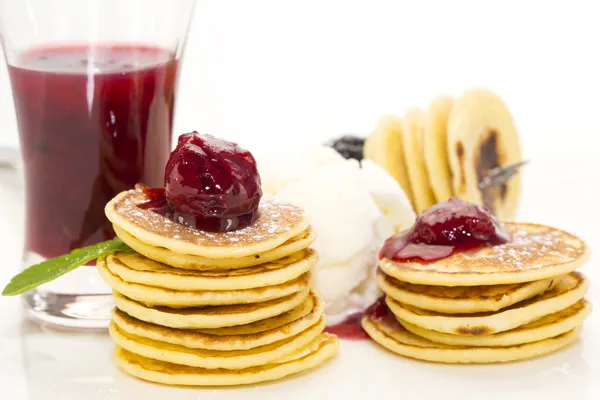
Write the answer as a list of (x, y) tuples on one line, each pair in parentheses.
[(70, 311), (79, 299)]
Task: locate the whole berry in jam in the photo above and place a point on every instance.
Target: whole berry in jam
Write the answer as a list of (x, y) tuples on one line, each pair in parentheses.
[(212, 183), (444, 229)]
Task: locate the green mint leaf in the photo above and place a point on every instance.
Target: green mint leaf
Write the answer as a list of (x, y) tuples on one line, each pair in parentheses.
[(49, 270)]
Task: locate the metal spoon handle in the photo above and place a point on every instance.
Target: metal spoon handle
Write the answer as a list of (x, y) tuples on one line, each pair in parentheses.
[(500, 175)]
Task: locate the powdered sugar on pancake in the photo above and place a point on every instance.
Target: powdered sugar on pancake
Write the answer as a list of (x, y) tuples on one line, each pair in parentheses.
[(527, 247), (275, 218)]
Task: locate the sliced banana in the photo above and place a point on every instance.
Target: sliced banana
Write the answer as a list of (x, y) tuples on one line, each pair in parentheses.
[(435, 147), (482, 136), (385, 148), (412, 136), (370, 146)]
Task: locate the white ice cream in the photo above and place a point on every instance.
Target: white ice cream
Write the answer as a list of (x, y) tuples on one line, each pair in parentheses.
[(353, 211)]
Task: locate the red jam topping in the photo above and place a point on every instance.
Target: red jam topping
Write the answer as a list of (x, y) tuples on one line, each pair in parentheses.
[(444, 229), (210, 184), (157, 200), (351, 329), (379, 311)]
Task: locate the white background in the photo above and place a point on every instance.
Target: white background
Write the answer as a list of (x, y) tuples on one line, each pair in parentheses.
[(260, 71), (266, 71)]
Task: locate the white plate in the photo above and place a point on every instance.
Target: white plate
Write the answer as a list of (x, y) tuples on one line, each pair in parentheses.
[(39, 365)]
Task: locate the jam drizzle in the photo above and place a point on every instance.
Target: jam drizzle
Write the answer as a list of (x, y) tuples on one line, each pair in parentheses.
[(351, 328)]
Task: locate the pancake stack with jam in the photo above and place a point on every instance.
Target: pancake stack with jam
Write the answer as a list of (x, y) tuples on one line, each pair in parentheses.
[(462, 288), (216, 288)]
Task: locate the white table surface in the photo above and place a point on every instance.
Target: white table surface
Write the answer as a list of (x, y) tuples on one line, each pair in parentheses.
[(560, 189)]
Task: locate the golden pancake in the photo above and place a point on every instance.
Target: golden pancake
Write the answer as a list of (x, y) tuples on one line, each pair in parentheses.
[(203, 358), (462, 299), (546, 327), (156, 296), (274, 329), (211, 316), (316, 353), (397, 339), (385, 147), (277, 223), (435, 147), (536, 252), (134, 268), (482, 136), (412, 136), (567, 292), (188, 261), (269, 324)]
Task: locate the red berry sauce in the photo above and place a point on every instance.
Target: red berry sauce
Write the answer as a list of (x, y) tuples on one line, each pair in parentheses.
[(351, 328), (210, 184), (443, 230), (379, 311)]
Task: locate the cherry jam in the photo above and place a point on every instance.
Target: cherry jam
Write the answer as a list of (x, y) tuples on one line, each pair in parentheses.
[(351, 328), (210, 184), (444, 229)]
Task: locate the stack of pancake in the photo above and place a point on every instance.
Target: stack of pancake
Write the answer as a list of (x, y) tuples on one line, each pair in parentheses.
[(501, 303), (448, 149), (201, 308)]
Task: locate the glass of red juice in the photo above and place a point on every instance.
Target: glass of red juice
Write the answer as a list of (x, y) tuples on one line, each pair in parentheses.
[(94, 86)]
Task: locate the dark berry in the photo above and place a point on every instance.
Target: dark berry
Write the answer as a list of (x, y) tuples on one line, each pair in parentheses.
[(349, 146), (443, 229), (456, 222), (212, 182)]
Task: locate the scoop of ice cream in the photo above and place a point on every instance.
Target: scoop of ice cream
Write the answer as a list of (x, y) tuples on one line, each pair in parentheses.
[(286, 165), (353, 209)]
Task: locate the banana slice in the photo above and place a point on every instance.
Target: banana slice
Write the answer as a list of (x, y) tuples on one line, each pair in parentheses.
[(435, 147), (412, 136), (385, 148), (482, 136), (370, 146)]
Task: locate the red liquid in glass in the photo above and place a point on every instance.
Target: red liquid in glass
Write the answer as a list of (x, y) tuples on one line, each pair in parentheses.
[(93, 122)]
